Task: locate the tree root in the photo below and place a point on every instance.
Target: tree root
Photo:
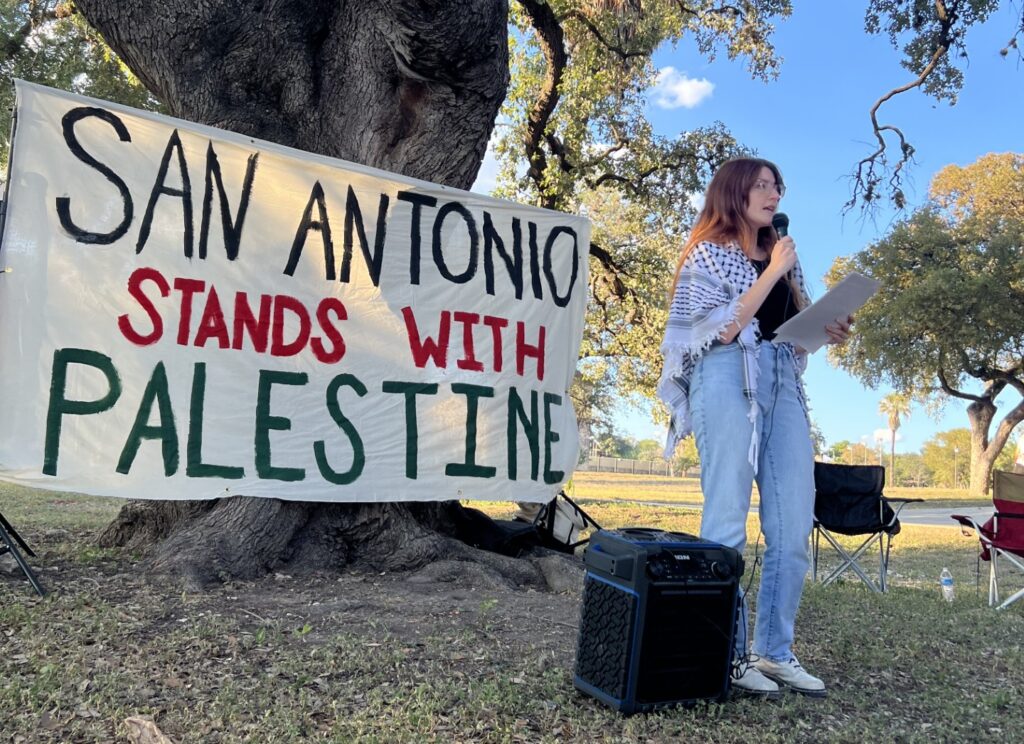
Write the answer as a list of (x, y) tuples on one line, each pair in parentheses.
[(242, 537)]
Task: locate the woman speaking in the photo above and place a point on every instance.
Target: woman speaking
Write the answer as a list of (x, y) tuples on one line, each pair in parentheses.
[(739, 392)]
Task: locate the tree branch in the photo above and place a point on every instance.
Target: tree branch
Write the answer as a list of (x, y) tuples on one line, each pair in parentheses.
[(1008, 378), (1013, 417), (624, 54), (950, 391), (870, 170), (552, 44), (720, 10), (606, 259), (636, 181), (617, 288)]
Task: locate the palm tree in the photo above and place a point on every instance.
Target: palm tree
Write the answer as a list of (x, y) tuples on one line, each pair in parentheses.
[(896, 406)]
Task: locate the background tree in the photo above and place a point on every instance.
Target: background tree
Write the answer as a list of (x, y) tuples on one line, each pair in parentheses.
[(858, 453), (837, 451), (649, 449), (616, 445), (945, 455), (895, 407), (949, 318), (910, 470), (593, 398), (46, 41), (686, 457), (574, 136)]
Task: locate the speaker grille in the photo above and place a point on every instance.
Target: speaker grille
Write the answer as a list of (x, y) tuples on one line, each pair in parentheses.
[(686, 644), (607, 620)]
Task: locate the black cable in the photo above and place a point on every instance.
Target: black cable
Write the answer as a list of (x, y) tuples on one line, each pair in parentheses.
[(741, 663)]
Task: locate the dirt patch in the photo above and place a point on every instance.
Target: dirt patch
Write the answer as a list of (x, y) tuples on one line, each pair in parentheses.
[(312, 607), (127, 645)]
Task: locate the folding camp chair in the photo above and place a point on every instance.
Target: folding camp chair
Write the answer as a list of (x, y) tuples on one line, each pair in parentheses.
[(849, 501), (1002, 536), (9, 541)]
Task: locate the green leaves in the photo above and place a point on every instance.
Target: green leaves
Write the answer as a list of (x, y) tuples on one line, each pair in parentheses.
[(596, 152), (951, 304), (49, 43)]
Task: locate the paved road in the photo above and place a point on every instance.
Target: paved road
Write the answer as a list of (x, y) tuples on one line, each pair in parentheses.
[(912, 514), (931, 517)]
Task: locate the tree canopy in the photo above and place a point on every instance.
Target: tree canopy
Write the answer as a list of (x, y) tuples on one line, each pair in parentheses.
[(949, 318), (50, 43)]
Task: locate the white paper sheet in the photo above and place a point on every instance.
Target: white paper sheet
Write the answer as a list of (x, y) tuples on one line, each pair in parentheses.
[(807, 328)]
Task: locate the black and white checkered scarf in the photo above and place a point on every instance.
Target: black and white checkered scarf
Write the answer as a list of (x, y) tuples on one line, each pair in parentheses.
[(706, 300)]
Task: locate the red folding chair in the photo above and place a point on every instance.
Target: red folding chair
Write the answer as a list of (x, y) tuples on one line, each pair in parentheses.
[(1002, 536)]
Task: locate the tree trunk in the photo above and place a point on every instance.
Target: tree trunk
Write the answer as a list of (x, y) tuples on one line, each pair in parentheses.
[(892, 456), (410, 87), (984, 451)]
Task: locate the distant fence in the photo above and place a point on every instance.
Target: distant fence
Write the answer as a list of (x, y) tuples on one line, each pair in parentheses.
[(602, 464)]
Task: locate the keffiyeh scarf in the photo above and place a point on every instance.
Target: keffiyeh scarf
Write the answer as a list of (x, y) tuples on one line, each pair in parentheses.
[(706, 300)]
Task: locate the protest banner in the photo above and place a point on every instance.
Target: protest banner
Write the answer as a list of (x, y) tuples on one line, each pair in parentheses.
[(192, 313)]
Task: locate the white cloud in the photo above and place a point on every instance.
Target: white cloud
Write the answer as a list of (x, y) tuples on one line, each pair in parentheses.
[(673, 89), (885, 434)]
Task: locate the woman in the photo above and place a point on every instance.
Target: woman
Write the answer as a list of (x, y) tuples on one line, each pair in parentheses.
[(740, 393)]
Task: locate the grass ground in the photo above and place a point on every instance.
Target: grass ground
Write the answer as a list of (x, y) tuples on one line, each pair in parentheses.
[(363, 657), (663, 489)]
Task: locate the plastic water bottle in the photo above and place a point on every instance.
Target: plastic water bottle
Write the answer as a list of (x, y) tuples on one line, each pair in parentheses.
[(946, 582)]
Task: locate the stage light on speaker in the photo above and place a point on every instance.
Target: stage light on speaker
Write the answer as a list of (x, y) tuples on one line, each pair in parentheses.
[(657, 619)]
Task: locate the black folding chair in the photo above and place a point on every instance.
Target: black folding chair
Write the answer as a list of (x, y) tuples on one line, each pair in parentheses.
[(849, 501), (9, 542)]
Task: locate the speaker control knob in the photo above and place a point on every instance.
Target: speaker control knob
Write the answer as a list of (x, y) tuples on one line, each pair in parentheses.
[(657, 569), (721, 570)]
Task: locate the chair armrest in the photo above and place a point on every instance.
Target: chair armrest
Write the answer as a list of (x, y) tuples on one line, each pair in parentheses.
[(899, 504), (966, 521)]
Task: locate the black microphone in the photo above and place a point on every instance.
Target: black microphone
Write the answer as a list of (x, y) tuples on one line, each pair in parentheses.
[(780, 221), (781, 224)]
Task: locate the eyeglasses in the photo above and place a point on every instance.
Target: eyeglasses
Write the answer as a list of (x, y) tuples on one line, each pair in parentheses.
[(762, 185)]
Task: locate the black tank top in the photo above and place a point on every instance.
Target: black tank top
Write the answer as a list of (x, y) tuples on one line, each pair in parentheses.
[(778, 307)]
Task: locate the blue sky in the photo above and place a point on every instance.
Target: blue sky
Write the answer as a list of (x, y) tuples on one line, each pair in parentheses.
[(813, 122)]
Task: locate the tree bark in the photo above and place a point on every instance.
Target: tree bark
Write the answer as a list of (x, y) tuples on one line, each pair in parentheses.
[(408, 86), (984, 451)]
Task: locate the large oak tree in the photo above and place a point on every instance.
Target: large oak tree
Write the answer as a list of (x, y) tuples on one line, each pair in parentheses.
[(416, 88)]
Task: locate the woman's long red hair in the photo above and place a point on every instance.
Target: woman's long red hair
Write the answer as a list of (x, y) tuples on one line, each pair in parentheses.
[(723, 220)]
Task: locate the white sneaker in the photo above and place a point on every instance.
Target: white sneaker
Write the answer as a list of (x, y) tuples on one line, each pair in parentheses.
[(747, 679), (792, 675)]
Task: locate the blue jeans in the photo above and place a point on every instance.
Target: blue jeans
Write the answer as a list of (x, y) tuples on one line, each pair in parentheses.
[(785, 480)]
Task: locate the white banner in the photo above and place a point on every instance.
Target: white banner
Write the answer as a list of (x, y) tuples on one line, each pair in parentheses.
[(191, 313)]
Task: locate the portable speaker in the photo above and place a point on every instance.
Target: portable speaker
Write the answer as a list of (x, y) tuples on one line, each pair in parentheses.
[(657, 619)]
